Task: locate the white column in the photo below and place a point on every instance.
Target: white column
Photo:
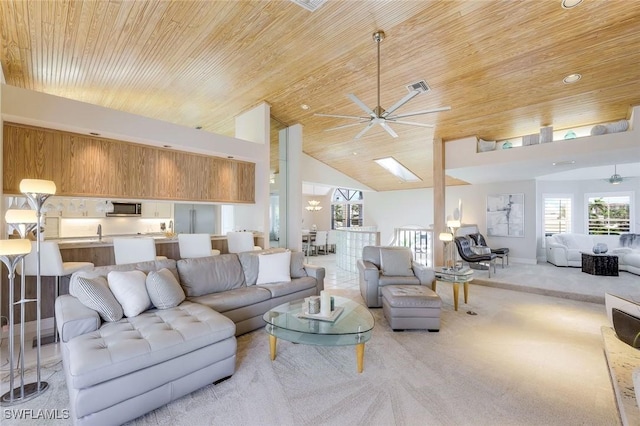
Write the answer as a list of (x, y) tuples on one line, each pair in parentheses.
[(253, 126), (290, 189)]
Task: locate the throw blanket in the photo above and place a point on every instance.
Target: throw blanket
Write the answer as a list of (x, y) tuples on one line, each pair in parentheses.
[(630, 240)]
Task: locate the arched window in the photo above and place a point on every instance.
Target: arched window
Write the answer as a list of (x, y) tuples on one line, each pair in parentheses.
[(346, 208)]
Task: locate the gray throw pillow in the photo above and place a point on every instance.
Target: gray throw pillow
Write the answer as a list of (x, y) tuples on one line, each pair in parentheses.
[(94, 293), (397, 263), (164, 289), (297, 265)]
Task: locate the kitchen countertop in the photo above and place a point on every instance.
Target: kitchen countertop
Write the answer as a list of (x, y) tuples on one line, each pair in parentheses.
[(107, 241)]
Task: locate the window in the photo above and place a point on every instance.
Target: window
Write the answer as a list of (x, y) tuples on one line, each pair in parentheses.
[(346, 208), (557, 214), (609, 214)]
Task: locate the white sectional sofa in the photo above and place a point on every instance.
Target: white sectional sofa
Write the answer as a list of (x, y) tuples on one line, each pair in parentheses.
[(565, 249)]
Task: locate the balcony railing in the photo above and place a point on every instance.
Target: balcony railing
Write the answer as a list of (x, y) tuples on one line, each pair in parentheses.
[(419, 240)]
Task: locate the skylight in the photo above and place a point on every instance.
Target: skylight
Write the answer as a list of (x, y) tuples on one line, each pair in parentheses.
[(397, 169)]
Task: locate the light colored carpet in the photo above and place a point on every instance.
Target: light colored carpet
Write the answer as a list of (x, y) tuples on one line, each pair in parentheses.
[(524, 359)]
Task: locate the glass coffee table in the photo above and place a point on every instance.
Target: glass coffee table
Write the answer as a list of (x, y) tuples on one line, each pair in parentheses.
[(455, 276), (352, 327)]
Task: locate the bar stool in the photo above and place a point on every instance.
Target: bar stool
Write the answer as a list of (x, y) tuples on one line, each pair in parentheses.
[(195, 245), (134, 250), (240, 241), (51, 265)]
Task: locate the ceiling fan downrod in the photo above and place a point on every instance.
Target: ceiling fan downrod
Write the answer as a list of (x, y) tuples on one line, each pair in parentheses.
[(378, 36)]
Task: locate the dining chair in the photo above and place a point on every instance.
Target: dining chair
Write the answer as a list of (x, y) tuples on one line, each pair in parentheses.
[(332, 239), (320, 242), (195, 245), (134, 250)]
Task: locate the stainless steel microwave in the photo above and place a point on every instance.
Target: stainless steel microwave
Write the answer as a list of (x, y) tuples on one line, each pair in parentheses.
[(125, 209)]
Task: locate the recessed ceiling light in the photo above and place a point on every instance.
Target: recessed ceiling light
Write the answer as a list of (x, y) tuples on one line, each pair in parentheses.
[(563, 163), (571, 78), (568, 4), (305, 107)]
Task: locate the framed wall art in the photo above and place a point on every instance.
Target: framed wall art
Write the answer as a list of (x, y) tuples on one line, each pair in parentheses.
[(505, 215)]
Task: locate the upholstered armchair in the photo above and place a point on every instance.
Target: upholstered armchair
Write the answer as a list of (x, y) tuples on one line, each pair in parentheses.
[(386, 265), (469, 256)]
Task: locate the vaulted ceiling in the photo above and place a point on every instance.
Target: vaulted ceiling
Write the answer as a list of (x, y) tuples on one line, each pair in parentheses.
[(499, 65)]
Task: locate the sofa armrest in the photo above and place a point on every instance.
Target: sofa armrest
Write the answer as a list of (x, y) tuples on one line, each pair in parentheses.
[(73, 318), (369, 279), (317, 272), (426, 275)]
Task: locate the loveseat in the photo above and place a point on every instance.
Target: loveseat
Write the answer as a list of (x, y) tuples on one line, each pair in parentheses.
[(565, 249), (118, 368), (389, 265)]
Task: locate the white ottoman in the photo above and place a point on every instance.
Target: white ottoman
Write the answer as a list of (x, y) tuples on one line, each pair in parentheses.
[(411, 307)]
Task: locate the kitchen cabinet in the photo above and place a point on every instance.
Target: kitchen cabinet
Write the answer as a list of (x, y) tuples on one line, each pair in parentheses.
[(156, 210)]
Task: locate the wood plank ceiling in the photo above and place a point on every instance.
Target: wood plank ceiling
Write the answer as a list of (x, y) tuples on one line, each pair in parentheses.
[(498, 64)]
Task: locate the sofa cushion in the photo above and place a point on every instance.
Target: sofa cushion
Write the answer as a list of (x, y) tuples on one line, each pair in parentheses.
[(102, 271), (94, 293), (297, 265), (250, 263), (385, 280), (574, 254), (164, 289), (132, 344), (274, 267), (395, 262), (576, 241), (130, 290), (233, 299), (293, 286), (214, 274)]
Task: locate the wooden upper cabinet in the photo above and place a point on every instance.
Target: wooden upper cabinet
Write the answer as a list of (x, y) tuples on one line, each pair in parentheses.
[(82, 165)]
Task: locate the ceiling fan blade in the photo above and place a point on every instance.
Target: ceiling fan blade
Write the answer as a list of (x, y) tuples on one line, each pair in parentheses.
[(361, 104), (344, 126), (353, 117), (410, 123), (426, 111), (412, 94), (388, 129), (363, 131)]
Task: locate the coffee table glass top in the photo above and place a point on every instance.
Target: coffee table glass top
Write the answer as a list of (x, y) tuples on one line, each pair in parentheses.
[(353, 326), (456, 275)]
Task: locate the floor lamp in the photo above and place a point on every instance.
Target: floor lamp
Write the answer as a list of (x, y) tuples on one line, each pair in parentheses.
[(37, 191), (446, 238), (11, 252)]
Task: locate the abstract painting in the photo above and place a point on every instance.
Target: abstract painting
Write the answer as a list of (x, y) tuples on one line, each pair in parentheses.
[(505, 215)]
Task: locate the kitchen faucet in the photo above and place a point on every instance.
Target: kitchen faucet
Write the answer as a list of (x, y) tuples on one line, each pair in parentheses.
[(99, 232)]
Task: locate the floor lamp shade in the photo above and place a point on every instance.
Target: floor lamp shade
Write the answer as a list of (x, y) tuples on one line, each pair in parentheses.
[(37, 186), (15, 247)]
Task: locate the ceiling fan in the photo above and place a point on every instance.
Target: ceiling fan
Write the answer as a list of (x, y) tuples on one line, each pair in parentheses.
[(615, 178), (378, 115)]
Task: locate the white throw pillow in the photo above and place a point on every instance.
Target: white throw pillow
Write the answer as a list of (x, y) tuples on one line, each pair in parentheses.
[(94, 293), (164, 289), (129, 288), (274, 268)]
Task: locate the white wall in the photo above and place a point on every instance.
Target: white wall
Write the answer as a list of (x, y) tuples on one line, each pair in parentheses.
[(391, 209)]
